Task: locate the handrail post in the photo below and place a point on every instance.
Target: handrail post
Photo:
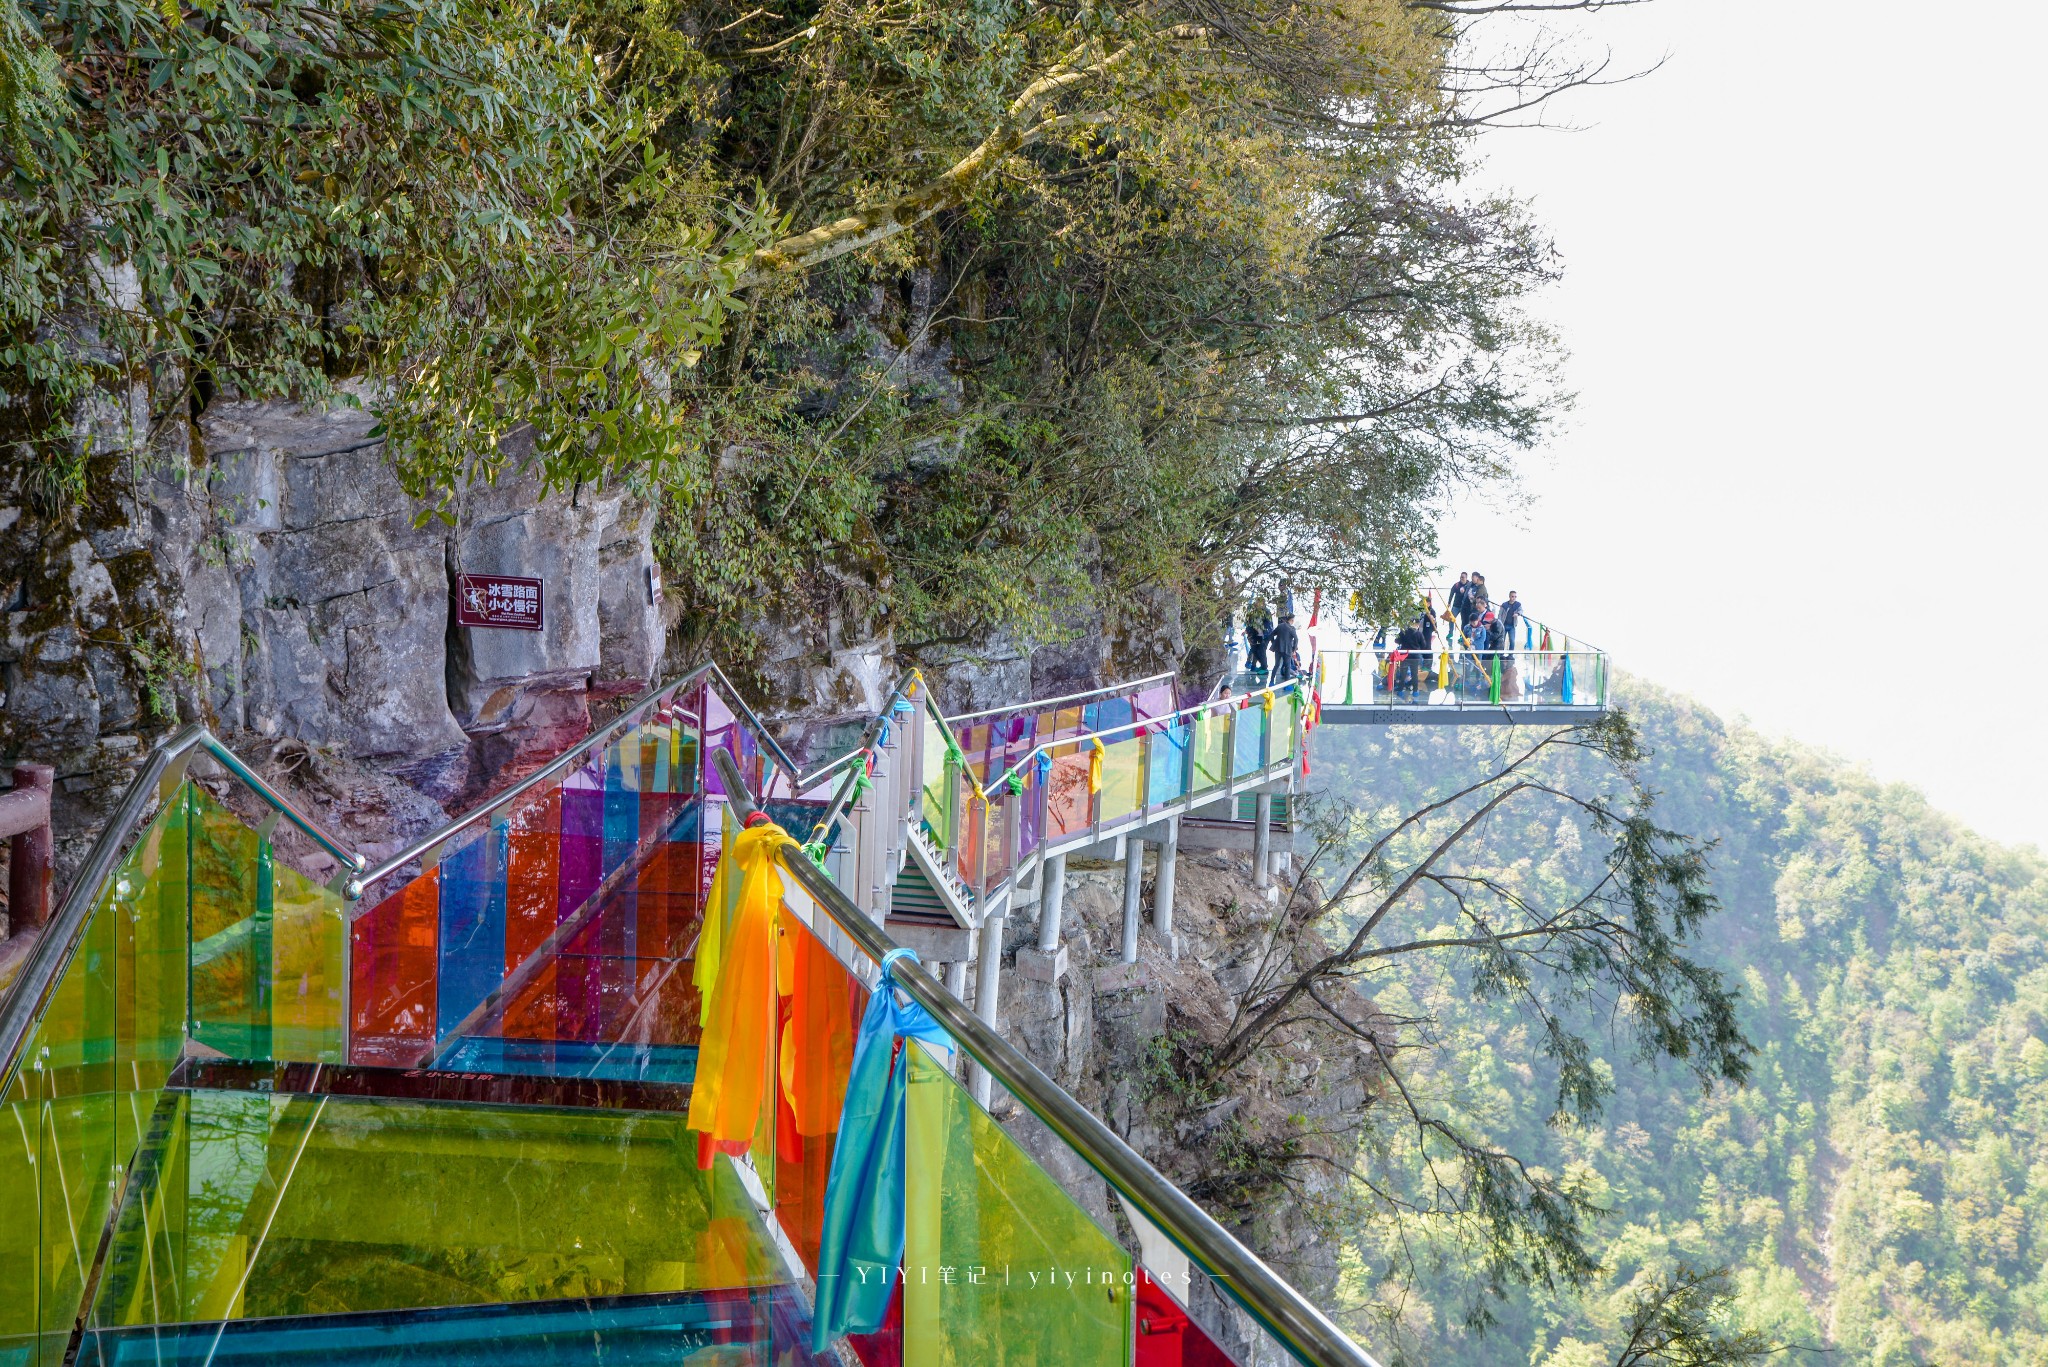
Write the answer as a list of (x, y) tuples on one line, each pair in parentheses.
[(31, 847)]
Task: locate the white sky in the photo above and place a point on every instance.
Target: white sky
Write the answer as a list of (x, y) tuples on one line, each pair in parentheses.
[(1804, 298)]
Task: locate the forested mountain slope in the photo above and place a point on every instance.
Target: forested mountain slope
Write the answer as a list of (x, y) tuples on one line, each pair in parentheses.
[(1881, 1187)]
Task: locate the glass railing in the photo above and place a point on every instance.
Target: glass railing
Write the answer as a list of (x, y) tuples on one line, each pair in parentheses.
[(1001, 1262), (497, 952), (245, 1209), (1062, 778), (1566, 675)]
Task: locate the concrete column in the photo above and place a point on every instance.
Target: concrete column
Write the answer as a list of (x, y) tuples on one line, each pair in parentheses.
[(1052, 900), (1162, 884), (990, 967), (1134, 887), (956, 978), (1262, 839)]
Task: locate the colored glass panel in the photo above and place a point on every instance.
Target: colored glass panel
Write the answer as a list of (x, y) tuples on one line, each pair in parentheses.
[(1068, 803), (256, 1204), (532, 897), (231, 931), (1123, 778), (582, 849), (1166, 763), (308, 969), (1248, 745), (986, 1232), (471, 946), (392, 977), (89, 1080), (1212, 742), (621, 801)]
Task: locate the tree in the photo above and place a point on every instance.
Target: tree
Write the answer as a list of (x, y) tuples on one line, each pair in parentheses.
[(1416, 900), (1679, 1320)]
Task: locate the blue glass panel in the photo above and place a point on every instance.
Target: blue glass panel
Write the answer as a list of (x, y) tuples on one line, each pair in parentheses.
[(737, 1326), (1166, 778), (621, 801), (673, 1064), (472, 926)]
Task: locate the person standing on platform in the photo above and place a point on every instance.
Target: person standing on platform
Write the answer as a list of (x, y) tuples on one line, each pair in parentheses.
[(1511, 618), (1460, 595), (1412, 642), (1258, 630), (1285, 647)]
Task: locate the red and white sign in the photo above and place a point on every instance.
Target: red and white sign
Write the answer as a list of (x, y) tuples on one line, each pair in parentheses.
[(497, 600)]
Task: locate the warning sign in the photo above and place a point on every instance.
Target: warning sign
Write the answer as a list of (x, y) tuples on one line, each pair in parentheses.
[(497, 600)]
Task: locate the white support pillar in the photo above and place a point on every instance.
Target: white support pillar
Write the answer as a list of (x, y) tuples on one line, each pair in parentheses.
[(989, 974), (1052, 900), (1262, 839), (1162, 885), (1134, 887), (956, 979)]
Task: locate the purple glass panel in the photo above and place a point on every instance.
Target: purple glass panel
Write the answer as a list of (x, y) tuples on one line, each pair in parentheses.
[(582, 850), (720, 733), (1156, 701)]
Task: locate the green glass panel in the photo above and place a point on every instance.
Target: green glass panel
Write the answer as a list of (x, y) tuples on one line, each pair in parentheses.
[(934, 782), (1212, 750), (231, 932), (1123, 778), (89, 1081), (1000, 1267), (20, 1216), (75, 1047), (252, 1204), (148, 895)]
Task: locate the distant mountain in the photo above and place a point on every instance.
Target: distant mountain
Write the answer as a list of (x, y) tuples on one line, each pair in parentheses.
[(1882, 1186)]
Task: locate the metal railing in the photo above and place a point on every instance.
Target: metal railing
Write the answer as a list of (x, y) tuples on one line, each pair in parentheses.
[(29, 995), (1268, 1298), (595, 743), (1068, 700)]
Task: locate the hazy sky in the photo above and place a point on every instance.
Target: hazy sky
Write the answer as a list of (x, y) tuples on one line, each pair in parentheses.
[(1805, 287)]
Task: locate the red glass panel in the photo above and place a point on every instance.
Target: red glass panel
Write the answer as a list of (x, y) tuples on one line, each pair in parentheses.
[(391, 986)]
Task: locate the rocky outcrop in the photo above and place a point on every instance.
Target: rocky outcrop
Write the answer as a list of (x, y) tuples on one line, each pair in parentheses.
[(264, 572), (1262, 1147)]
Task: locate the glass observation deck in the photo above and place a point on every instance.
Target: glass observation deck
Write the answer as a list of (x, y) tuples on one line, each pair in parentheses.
[(437, 1110), (1540, 675)]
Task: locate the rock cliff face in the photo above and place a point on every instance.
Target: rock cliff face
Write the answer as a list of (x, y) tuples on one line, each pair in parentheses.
[(268, 576)]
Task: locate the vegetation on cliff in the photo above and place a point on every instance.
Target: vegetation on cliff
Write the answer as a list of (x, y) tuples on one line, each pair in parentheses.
[(979, 307)]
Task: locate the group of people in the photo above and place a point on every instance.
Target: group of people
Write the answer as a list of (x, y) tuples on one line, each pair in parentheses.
[(1470, 617), (1272, 650), (1486, 628)]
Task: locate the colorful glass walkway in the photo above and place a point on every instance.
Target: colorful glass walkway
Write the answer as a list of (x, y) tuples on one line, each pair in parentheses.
[(249, 1117)]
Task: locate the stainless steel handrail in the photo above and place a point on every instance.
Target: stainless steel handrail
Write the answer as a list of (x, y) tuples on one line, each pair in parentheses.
[(1040, 704), (25, 1002), (563, 762), (1284, 687), (1277, 1306)]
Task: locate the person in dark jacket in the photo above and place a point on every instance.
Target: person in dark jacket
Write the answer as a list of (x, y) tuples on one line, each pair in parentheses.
[(1510, 615), (1413, 641), (1258, 630), (1285, 647), (1460, 595)]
